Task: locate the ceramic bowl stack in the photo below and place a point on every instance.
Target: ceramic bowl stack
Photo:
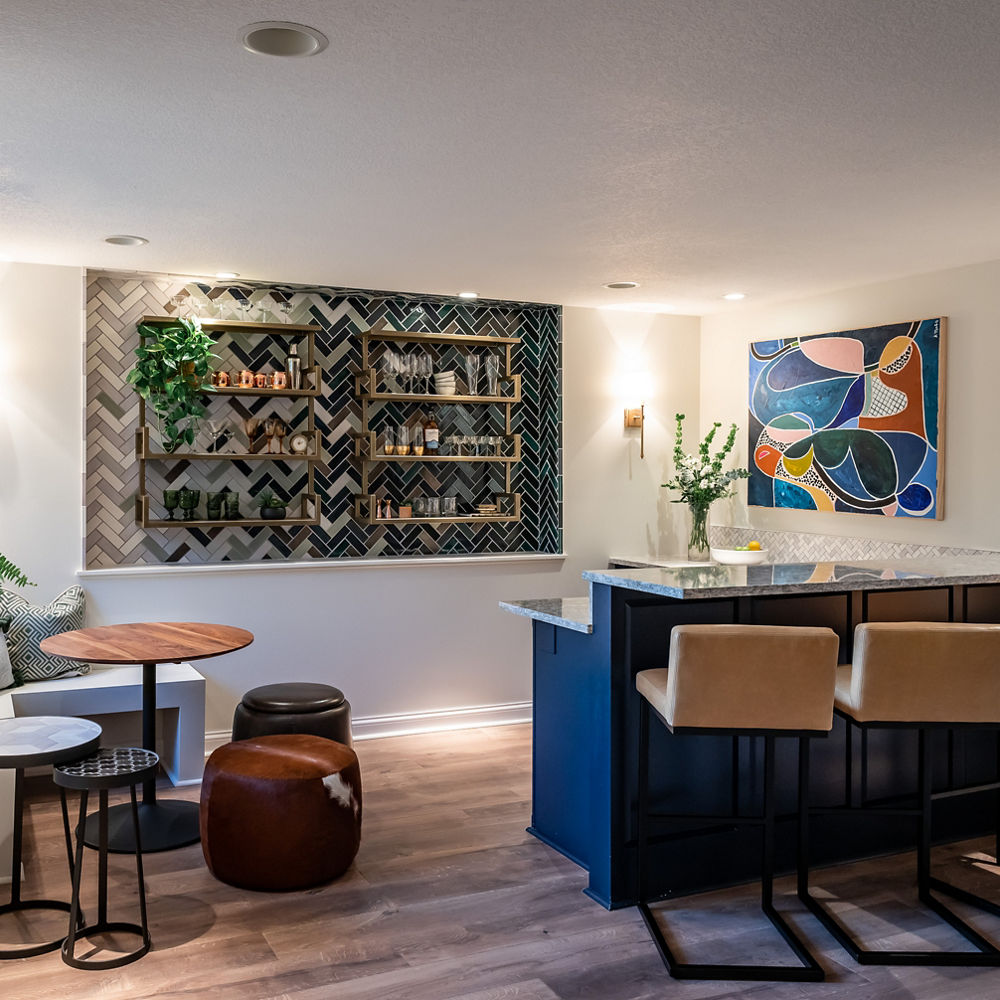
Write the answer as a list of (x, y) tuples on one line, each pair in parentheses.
[(444, 383)]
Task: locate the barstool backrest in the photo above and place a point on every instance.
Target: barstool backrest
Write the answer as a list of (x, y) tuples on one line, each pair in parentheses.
[(751, 677), (926, 672)]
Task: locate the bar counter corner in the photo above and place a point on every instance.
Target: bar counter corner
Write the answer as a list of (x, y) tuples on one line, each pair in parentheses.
[(585, 718)]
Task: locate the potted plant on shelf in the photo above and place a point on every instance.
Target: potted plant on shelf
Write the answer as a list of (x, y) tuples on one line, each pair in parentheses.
[(272, 507), (171, 374)]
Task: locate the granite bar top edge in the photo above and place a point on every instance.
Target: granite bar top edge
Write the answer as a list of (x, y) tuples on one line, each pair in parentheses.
[(728, 581), (566, 612)]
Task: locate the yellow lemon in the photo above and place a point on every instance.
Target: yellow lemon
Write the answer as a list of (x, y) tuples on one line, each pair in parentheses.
[(754, 546)]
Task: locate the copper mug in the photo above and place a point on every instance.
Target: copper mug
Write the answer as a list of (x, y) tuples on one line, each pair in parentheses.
[(260, 380), (246, 379), (278, 380), (220, 379)]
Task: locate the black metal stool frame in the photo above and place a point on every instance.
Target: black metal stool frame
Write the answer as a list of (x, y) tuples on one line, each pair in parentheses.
[(810, 970), (987, 954), (16, 903), (103, 925)]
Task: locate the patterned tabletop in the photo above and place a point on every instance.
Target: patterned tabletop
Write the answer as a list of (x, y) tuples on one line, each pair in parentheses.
[(45, 739)]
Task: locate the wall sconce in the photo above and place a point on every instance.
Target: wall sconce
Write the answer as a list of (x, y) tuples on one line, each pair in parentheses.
[(637, 418)]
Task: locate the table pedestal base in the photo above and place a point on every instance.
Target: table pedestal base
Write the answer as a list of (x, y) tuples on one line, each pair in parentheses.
[(163, 826)]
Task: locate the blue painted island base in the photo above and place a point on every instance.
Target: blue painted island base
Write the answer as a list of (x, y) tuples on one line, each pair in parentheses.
[(585, 731)]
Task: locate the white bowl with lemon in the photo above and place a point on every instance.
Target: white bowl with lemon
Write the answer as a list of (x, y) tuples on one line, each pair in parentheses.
[(743, 555)]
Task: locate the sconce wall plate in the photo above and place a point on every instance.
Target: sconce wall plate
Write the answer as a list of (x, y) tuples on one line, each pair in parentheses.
[(636, 417)]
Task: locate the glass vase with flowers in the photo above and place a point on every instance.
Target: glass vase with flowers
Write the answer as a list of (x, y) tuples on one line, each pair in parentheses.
[(701, 482)]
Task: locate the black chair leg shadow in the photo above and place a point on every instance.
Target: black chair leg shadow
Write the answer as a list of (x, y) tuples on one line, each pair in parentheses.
[(986, 955), (137, 765), (809, 971), (19, 905)]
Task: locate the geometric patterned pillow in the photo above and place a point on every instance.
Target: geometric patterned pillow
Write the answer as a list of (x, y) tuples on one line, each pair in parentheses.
[(6, 673), (31, 623)]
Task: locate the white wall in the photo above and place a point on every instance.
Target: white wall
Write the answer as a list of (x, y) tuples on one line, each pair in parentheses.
[(970, 298), (396, 639)]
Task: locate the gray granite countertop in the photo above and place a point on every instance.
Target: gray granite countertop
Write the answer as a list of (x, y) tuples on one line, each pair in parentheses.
[(568, 612), (701, 582)]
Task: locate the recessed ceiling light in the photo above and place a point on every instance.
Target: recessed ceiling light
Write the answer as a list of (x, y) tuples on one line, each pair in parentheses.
[(734, 296), (126, 241), (468, 295), (226, 275), (283, 38), (621, 284)]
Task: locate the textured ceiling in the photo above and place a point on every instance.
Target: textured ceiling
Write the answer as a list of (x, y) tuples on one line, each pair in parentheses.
[(528, 149)]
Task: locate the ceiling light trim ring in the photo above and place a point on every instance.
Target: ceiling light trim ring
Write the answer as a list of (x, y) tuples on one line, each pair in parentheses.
[(284, 39)]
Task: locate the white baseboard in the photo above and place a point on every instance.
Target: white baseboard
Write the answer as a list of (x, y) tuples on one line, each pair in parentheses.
[(406, 724)]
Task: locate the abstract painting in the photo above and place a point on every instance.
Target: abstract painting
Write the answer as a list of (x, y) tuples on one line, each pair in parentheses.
[(850, 421)]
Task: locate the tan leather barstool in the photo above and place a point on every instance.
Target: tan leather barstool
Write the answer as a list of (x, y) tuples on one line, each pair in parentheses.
[(922, 676), (738, 680)]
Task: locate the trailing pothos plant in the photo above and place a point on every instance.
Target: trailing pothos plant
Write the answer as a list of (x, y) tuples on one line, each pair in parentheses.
[(171, 374)]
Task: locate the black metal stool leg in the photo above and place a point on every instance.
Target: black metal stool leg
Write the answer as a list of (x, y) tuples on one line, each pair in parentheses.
[(69, 944), (143, 921), (17, 904)]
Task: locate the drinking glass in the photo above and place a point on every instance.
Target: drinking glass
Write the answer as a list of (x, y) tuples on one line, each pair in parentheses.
[(215, 429), (232, 506), (433, 506), (285, 308), (472, 374), (449, 506), (495, 442), (213, 505), (492, 374), (280, 430), (189, 500), (427, 371), (390, 371), (389, 442), (245, 307), (251, 427), (170, 502), (418, 440), (403, 440)]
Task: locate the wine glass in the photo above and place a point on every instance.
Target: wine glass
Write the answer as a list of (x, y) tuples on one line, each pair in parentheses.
[(189, 500), (427, 371), (171, 499), (215, 429), (280, 430), (251, 427), (390, 370), (472, 373), (285, 308), (245, 307)]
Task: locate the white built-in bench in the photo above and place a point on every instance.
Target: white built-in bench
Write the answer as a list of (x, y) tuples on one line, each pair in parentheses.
[(180, 693)]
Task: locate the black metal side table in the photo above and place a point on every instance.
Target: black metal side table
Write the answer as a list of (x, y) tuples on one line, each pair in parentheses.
[(112, 767), (31, 741)]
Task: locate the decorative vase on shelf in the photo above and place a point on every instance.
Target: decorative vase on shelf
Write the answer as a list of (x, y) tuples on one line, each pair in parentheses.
[(698, 550)]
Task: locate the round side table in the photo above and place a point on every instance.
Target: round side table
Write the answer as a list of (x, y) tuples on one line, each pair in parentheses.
[(165, 825), (31, 741)]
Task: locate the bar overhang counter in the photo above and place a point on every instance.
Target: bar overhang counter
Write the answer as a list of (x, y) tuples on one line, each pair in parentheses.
[(586, 653)]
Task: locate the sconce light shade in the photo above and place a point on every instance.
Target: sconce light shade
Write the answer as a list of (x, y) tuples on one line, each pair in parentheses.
[(636, 417)]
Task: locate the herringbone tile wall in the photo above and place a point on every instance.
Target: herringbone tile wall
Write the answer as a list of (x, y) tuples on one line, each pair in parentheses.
[(115, 304)]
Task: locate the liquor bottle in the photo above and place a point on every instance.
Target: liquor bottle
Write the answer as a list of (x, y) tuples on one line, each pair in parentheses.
[(293, 365), (432, 440)]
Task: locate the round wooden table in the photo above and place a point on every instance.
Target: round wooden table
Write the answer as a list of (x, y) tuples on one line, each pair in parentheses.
[(163, 825)]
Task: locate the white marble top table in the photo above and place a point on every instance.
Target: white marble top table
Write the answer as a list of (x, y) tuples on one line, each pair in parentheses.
[(46, 739)]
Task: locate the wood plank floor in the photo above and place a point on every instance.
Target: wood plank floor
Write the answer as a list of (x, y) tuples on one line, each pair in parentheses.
[(450, 899)]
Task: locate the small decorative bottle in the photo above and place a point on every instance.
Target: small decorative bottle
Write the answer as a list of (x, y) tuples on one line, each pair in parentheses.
[(293, 365), (432, 440)]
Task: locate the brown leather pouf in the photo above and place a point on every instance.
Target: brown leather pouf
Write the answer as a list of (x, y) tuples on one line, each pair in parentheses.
[(281, 812)]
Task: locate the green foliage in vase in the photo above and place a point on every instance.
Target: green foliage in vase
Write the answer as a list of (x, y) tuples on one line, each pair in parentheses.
[(9, 573), (170, 373), (700, 477)]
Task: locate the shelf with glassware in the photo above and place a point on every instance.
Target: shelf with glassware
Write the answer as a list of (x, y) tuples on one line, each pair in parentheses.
[(508, 508), (398, 375), (306, 442)]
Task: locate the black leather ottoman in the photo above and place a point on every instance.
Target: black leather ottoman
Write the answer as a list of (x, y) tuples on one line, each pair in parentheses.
[(274, 709)]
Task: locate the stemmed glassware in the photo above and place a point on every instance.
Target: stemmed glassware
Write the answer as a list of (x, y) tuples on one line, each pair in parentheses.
[(285, 308), (472, 373), (189, 500), (245, 307), (215, 430), (426, 371), (251, 427), (171, 498), (492, 374)]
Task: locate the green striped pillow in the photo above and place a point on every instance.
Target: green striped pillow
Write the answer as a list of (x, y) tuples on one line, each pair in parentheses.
[(31, 623)]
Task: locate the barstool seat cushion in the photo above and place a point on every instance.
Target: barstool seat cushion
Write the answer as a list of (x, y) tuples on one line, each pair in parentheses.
[(768, 677), (281, 812), (934, 672)]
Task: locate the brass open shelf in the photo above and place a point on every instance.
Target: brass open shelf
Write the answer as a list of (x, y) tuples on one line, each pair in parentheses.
[(292, 329), (310, 514), (144, 453), (366, 505), (365, 448)]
